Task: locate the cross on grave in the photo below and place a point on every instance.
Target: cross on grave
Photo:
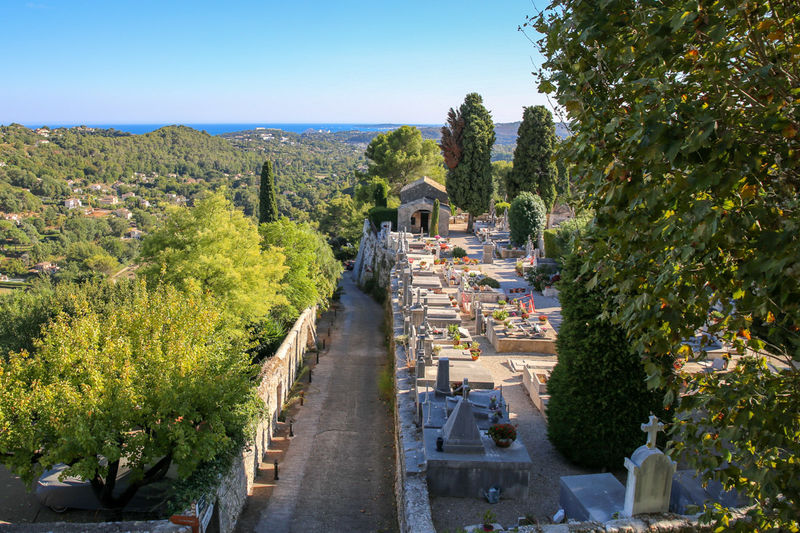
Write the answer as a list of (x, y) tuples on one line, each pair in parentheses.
[(652, 428)]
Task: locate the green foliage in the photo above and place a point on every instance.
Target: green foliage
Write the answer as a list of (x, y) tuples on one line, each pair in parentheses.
[(267, 202), (342, 218), (401, 156), (534, 170), (489, 282), (214, 247), (433, 225), (383, 214), (500, 207), (551, 246), (500, 314), (526, 217), (469, 178), (155, 379), (312, 272), (540, 275), (500, 172), (459, 252), (381, 192), (687, 148), (598, 395)]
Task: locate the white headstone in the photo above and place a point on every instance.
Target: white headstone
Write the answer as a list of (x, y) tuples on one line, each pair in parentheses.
[(649, 475)]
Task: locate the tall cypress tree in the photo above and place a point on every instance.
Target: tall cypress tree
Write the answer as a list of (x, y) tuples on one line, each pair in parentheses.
[(433, 225), (534, 170), (267, 202), (467, 142)]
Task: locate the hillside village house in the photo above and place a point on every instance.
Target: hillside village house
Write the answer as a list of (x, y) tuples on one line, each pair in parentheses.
[(416, 205), (107, 200), (123, 213), (72, 203)]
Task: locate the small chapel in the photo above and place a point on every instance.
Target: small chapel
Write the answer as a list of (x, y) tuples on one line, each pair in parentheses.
[(416, 206)]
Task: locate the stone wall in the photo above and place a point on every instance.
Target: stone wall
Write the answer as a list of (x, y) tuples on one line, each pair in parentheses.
[(411, 487), (275, 379), (375, 255)]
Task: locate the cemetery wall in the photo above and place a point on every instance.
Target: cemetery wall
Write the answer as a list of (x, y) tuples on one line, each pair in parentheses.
[(374, 259), (411, 488), (275, 379)]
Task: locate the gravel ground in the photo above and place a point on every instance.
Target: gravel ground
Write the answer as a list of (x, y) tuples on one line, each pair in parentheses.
[(451, 514)]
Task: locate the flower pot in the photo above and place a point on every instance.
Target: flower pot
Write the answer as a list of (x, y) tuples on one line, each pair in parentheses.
[(475, 355), (503, 443), (488, 527)]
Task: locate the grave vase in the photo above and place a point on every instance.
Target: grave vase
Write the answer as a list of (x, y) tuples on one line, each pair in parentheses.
[(503, 443)]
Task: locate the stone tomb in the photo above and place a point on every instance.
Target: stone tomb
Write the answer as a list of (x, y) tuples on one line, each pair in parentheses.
[(462, 460), (601, 497)]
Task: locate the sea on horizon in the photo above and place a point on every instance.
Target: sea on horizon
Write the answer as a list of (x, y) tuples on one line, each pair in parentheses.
[(218, 129)]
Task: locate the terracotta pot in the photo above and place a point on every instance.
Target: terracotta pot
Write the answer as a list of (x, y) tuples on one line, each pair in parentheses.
[(503, 443)]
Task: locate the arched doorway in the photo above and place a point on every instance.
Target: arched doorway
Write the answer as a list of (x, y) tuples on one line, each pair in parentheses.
[(419, 221)]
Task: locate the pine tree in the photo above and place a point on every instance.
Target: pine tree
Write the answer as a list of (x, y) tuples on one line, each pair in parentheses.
[(467, 141), (267, 202), (534, 170), (433, 226)]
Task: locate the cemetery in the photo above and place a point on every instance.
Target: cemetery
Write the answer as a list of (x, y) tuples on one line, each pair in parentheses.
[(474, 357)]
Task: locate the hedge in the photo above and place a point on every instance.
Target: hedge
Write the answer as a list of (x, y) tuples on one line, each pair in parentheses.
[(383, 214)]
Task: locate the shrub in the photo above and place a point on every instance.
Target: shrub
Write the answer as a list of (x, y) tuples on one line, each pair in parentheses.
[(491, 282), (500, 207), (526, 217), (503, 431), (598, 391), (500, 315), (539, 276), (383, 214), (459, 252), (552, 247)]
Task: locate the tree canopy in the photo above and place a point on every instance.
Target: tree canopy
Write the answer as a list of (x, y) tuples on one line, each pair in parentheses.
[(534, 169), (214, 247), (526, 218), (467, 142), (149, 381), (267, 202), (312, 272), (598, 395), (685, 122), (401, 156)]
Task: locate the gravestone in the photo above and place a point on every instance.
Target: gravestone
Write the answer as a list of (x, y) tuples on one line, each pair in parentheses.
[(649, 475), (443, 377), (488, 254), (460, 432), (540, 245)]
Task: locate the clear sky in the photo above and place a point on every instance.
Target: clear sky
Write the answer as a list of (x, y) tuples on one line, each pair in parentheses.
[(175, 61)]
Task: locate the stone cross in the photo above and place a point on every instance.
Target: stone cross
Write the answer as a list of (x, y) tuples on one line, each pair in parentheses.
[(652, 428)]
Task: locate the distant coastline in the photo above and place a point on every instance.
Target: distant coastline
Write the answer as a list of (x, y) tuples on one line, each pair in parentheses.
[(219, 129)]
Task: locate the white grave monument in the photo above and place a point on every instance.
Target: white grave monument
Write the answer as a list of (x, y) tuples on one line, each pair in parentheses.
[(649, 475)]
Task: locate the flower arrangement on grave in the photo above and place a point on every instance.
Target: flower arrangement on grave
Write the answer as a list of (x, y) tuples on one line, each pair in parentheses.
[(500, 315), (492, 402), (452, 329), (503, 434), (437, 348), (487, 520), (456, 339), (525, 315), (475, 349), (501, 303), (542, 318)]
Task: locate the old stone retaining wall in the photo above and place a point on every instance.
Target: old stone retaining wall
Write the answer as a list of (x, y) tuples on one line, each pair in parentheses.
[(275, 379)]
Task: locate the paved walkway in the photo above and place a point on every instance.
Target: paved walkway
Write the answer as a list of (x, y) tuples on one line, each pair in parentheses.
[(338, 470)]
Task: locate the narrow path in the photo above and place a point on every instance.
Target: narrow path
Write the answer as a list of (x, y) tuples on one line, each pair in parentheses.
[(338, 471)]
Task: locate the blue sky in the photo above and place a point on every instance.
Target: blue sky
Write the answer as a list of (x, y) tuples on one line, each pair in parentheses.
[(175, 61)]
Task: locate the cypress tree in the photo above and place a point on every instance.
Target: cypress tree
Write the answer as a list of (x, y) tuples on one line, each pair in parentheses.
[(534, 170), (467, 146), (433, 225), (598, 391), (267, 202)]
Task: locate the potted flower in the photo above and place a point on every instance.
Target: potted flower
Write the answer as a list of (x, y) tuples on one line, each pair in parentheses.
[(542, 318), (524, 315), (503, 434), (436, 349), (456, 339), (488, 519), (475, 350)]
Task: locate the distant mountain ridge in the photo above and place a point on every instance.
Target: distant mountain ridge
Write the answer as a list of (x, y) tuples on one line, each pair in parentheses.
[(505, 132)]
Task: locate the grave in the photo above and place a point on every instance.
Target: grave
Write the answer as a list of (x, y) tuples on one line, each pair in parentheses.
[(601, 497), (520, 338), (462, 460)]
